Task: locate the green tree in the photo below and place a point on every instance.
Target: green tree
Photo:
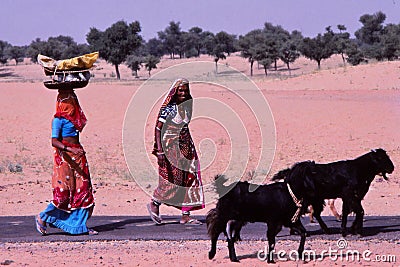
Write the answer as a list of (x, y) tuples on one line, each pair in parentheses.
[(192, 42), (390, 41), (3, 54), (218, 54), (151, 63), (266, 62), (17, 53), (35, 48), (171, 39), (116, 42), (342, 41), (252, 46), (187, 46), (371, 30), (196, 35), (320, 47), (208, 42), (370, 35), (134, 63), (248, 45), (219, 45), (60, 47), (354, 54), (276, 37), (56, 47), (289, 50), (255, 46), (373, 51), (95, 39), (229, 42), (154, 47), (289, 53), (75, 50)]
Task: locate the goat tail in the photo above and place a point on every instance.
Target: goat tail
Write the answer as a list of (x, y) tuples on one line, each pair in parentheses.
[(212, 223), (281, 175)]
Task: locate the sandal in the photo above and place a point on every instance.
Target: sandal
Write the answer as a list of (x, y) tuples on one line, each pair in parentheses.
[(154, 217), (92, 232), (40, 227), (192, 221)]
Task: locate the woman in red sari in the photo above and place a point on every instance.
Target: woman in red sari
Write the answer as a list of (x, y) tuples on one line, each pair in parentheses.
[(180, 183), (73, 200)]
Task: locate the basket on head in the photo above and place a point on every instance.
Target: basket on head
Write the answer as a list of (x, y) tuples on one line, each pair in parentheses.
[(68, 73)]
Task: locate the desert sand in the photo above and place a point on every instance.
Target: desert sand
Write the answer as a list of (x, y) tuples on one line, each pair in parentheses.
[(338, 112)]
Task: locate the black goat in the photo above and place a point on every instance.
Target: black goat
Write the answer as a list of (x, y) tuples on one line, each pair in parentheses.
[(348, 179), (277, 204)]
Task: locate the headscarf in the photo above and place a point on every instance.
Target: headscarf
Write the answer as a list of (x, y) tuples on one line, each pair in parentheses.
[(68, 107), (172, 91)]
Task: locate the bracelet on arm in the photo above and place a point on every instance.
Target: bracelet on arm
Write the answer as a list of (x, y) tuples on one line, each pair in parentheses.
[(158, 129), (160, 153)]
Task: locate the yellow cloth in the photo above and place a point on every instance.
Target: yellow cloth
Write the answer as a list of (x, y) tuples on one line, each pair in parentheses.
[(81, 62)]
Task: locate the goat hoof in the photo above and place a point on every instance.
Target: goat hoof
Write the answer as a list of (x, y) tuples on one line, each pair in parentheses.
[(234, 260)]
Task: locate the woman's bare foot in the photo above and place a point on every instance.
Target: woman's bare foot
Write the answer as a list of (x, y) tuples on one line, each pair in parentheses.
[(41, 226), (186, 219), (41, 222), (154, 211)]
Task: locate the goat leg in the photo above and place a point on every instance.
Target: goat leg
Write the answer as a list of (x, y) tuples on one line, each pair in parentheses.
[(303, 233), (272, 231), (229, 232), (213, 250), (357, 226), (231, 249), (324, 227), (317, 207), (345, 213)]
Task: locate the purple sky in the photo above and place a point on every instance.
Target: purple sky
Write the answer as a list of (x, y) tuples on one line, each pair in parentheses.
[(25, 20)]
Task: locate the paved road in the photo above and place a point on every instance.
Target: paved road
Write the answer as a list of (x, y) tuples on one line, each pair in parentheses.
[(22, 229)]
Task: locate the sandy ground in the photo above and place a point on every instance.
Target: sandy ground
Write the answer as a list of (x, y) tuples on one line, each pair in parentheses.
[(339, 112)]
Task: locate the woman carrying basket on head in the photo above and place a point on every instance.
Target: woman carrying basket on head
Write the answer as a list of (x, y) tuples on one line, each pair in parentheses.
[(73, 199)]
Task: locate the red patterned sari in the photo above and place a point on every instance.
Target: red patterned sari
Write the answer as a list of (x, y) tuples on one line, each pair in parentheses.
[(72, 188), (180, 182), (73, 199)]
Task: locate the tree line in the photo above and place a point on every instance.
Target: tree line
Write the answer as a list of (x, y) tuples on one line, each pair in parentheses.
[(122, 43)]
